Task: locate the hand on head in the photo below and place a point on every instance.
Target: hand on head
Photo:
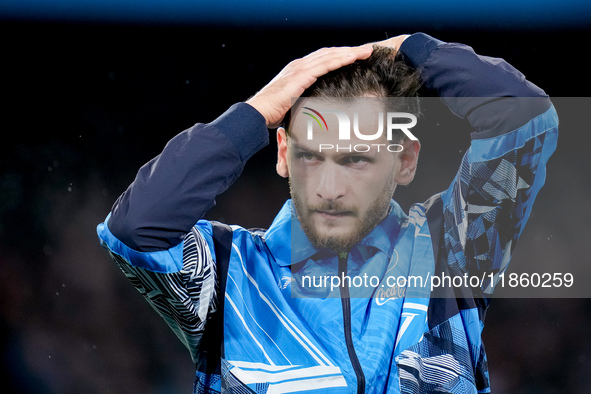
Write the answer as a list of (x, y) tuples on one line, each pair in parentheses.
[(274, 100)]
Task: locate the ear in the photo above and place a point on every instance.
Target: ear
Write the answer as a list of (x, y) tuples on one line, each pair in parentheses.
[(282, 167), (409, 158)]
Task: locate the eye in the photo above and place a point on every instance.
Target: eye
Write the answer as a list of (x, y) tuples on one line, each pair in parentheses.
[(307, 156), (356, 160)]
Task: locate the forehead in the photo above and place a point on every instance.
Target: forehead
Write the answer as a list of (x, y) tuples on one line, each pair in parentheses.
[(324, 119)]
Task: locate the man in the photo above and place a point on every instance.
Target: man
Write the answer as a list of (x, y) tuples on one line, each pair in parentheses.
[(243, 301)]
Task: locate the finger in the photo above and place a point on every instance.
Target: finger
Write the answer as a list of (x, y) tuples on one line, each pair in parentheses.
[(333, 58), (364, 51), (358, 52)]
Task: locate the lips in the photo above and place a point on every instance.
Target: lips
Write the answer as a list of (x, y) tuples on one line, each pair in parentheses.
[(333, 214)]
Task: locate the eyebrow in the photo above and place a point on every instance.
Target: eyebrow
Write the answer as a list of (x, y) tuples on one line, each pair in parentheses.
[(301, 148), (336, 155)]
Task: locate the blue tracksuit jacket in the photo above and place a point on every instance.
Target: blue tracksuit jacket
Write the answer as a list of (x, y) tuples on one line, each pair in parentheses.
[(254, 325)]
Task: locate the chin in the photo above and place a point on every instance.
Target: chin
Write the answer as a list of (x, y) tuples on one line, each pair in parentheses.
[(334, 230), (331, 237)]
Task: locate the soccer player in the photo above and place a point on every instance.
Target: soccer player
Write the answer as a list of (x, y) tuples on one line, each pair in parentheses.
[(247, 304)]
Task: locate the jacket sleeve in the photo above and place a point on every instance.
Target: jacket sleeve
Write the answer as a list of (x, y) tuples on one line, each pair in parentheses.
[(515, 131), (153, 232), (175, 189)]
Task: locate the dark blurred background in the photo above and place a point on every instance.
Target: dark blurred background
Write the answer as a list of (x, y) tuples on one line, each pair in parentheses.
[(90, 94)]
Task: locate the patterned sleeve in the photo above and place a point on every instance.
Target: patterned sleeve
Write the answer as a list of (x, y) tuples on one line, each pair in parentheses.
[(515, 132), (151, 231), (184, 298), (488, 203)]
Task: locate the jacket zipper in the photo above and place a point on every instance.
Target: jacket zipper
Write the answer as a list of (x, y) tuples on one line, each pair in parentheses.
[(346, 303)]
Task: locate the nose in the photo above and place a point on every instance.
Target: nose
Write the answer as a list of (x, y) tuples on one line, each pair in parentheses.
[(331, 185)]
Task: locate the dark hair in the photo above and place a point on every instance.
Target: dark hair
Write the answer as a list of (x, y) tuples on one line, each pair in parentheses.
[(383, 74)]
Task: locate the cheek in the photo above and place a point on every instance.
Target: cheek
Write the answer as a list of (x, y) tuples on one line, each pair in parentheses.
[(302, 177), (296, 179), (377, 186)]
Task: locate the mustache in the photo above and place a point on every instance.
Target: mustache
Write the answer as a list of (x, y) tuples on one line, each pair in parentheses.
[(330, 206)]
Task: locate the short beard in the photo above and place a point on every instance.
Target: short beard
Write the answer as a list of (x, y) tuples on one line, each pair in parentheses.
[(343, 243)]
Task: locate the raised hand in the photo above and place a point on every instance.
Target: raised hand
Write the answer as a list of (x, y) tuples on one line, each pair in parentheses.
[(274, 100)]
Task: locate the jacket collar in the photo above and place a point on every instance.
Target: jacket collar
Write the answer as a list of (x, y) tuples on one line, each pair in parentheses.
[(289, 245)]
